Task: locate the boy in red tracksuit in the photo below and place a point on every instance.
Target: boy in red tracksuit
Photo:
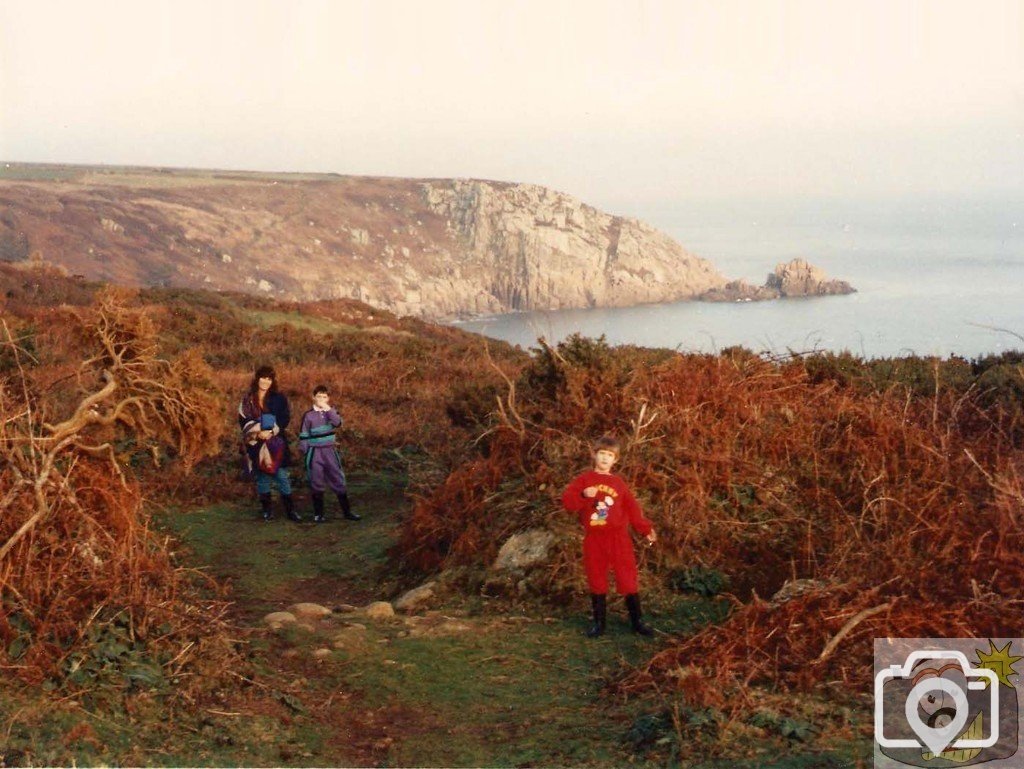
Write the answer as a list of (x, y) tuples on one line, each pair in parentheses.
[(606, 509)]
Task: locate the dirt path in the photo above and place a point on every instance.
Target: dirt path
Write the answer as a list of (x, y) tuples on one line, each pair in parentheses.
[(462, 684)]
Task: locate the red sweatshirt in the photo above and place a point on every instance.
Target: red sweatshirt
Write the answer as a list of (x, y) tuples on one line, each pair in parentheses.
[(611, 511)]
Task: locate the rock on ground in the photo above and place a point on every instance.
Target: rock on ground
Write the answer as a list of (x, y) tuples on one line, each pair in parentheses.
[(380, 610), (309, 610), (523, 550), (795, 588), (416, 597), (279, 618)]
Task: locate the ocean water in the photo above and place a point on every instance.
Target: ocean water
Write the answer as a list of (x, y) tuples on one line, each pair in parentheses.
[(934, 276)]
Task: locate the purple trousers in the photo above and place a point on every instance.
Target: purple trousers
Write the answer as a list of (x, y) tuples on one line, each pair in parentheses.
[(323, 465)]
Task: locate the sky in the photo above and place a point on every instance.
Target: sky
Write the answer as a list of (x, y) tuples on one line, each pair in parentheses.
[(623, 104)]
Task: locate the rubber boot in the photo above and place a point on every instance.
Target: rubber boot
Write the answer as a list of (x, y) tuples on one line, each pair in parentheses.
[(599, 602), (346, 509), (265, 507), (633, 607), (289, 508), (318, 508)]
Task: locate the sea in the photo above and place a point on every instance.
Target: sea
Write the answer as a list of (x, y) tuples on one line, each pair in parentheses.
[(935, 275)]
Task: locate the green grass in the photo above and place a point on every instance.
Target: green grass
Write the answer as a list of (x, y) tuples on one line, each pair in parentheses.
[(37, 172), (48, 731), (271, 318), (473, 683), (269, 563)]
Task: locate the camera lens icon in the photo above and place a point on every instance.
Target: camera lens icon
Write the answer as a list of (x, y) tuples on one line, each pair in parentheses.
[(944, 703), (936, 705)]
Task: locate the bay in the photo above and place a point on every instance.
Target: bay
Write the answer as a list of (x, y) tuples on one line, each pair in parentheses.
[(934, 276)]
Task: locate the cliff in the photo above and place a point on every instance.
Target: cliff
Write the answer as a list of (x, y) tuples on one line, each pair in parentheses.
[(429, 248), (435, 249)]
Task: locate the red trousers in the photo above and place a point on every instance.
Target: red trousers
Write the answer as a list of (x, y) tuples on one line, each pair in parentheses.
[(610, 551)]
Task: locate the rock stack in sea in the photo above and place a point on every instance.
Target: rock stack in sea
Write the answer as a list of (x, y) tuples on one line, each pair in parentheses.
[(796, 278)]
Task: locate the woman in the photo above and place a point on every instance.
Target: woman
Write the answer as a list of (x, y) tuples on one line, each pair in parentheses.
[(263, 416)]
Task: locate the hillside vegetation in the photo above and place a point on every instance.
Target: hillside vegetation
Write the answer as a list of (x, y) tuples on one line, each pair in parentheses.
[(886, 493)]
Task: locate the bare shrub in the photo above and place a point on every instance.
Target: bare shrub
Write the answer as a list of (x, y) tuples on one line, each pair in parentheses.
[(75, 549)]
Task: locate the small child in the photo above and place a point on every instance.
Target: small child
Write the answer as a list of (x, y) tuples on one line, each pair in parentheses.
[(323, 462), (606, 508)]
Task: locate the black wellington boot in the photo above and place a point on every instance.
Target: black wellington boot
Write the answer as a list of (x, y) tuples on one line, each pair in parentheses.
[(265, 507), (599, 602), (633, 607), (318, 508), (289, 508), (346, 509)]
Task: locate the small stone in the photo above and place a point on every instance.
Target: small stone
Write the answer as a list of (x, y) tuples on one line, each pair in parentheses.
[(345, 608), (309, 610), (289, 653), (279, 618), (415, 598), (306, 626), (380, 610), (795, 588), (322, 653)]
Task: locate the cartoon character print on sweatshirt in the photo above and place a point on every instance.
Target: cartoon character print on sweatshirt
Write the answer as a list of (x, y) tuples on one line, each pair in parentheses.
[(605, 500)]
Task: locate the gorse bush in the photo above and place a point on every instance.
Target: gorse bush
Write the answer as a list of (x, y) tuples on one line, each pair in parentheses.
[(868, 486)]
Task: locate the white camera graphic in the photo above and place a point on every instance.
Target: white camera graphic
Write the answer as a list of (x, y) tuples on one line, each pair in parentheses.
[(936, 704)]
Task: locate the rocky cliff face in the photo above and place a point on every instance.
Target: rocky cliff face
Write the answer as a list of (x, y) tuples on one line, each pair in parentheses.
[(437, 248), (431, 248), (539, 249)]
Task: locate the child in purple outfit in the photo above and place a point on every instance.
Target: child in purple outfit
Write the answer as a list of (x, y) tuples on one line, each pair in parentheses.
[(323, 462)]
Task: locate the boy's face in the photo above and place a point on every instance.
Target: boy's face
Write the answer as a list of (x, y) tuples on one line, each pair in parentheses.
[(604, 459), (322, 399)]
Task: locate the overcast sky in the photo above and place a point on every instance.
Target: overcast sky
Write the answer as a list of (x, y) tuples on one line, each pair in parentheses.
[(643, 101)]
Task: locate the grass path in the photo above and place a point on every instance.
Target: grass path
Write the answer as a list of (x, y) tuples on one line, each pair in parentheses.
[(465, 685), (473, 682), (468, 684)]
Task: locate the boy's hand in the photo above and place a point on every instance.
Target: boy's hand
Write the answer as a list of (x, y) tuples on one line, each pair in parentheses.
[(590, 491), (265, 435)]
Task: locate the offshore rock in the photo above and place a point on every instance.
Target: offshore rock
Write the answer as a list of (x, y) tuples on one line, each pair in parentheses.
[(798, 278), (795, 278)]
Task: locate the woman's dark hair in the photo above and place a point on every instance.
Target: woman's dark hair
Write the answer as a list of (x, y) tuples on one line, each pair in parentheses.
[(321, 389), (261, 372)]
